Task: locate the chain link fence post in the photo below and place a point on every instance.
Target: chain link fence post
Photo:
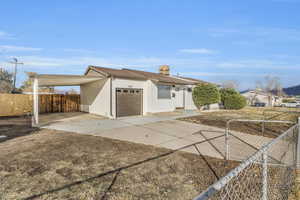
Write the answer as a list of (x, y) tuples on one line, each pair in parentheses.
[(265, 176), (263, 124), (226, 141)]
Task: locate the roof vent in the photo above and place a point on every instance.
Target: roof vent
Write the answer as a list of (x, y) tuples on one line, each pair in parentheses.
[(164, 69)]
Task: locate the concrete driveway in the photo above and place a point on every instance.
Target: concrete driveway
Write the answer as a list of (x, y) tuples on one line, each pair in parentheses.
[(167, 132)]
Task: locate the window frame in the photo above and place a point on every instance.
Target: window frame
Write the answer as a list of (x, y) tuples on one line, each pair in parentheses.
[(164, 87)]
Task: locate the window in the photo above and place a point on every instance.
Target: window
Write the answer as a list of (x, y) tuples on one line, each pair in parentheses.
[(189, 89), (163, 91)]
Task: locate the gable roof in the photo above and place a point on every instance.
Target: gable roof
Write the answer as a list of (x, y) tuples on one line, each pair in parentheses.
[(198, 81), (160, 77), (143, 75), (115, 72)]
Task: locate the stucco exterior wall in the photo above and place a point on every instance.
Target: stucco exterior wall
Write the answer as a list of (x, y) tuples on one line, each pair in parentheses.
[(95, 97), (158, 105)]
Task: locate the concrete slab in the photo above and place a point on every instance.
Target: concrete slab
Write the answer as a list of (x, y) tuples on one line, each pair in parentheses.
[(175, 144), (175, 128), (88, 126), (136, 134), (163, 131), (81, 124)]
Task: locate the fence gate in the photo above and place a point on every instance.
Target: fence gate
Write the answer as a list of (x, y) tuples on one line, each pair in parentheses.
[(51, 103)]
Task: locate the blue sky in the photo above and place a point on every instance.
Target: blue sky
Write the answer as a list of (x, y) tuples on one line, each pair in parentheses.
[(207, 39)]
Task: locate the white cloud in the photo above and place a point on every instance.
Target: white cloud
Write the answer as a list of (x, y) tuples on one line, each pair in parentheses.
[(177, 64), (232, 74), (197, 51), (5, 35), (79, 51), (257, 64), (197, 73), (264, 33), (221, 32), (83, 61), (41, 61), (11, 48)]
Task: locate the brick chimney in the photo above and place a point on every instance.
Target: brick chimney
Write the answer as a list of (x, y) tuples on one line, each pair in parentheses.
[(164, 69)]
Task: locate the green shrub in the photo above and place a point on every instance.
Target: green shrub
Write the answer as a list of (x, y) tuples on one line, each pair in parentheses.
[(235, 101), (205, 94), (226, 92)]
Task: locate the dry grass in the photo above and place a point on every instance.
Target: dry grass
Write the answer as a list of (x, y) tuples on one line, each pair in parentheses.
[(52, 160), (220, 118)]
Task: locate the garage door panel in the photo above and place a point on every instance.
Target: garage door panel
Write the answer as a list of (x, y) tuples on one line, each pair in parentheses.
[(129, 102)]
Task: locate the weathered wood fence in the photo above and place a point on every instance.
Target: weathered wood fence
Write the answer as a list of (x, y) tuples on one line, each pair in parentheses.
[(59, 103), (21, 104)]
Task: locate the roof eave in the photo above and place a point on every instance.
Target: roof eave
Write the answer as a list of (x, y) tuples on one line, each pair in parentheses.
[(90, 67)]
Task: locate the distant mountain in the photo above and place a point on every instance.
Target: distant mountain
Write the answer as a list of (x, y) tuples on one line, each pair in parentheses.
[(294, 90)]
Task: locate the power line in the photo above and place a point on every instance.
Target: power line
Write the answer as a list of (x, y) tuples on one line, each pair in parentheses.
[(16, 63)]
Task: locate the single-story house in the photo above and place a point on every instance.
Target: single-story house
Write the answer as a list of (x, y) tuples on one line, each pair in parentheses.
[(258, 96), (125, 92)]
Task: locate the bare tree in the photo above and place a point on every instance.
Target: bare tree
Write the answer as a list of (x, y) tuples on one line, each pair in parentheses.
[(72, 91), (230, 84), (27, 87), (271, 85), (6, 81)]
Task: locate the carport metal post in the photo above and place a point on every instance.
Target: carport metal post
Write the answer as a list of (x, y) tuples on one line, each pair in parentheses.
[(298, 149), (35, 118), (298, 163)]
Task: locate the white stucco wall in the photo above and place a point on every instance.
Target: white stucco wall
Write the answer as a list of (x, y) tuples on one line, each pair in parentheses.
[(95, 97), (158, 105), (167, 105)]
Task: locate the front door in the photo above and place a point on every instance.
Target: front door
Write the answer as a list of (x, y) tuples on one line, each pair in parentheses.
[(179, 97)]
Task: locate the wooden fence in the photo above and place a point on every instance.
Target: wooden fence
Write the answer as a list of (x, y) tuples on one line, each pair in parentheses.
[(21, 104), (59, 103), (15, 104)]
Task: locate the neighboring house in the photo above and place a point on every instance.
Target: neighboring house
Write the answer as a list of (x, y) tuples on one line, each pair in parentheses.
[(257, 96), (126, 92)]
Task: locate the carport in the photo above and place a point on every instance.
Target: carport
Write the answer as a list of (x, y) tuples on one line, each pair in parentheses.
[(46, 80)]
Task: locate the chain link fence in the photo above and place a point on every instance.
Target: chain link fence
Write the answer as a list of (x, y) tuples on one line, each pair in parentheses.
[(267, 174)]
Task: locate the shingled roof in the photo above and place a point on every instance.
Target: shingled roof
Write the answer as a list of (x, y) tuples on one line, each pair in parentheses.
[(143, 75)]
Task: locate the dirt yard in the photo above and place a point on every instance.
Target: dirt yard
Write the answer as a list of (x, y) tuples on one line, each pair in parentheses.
[(220, 118), (12, 127), (16, 126), (61, 165)]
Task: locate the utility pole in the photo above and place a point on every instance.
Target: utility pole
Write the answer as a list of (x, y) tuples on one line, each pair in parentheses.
[(16, 63)]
